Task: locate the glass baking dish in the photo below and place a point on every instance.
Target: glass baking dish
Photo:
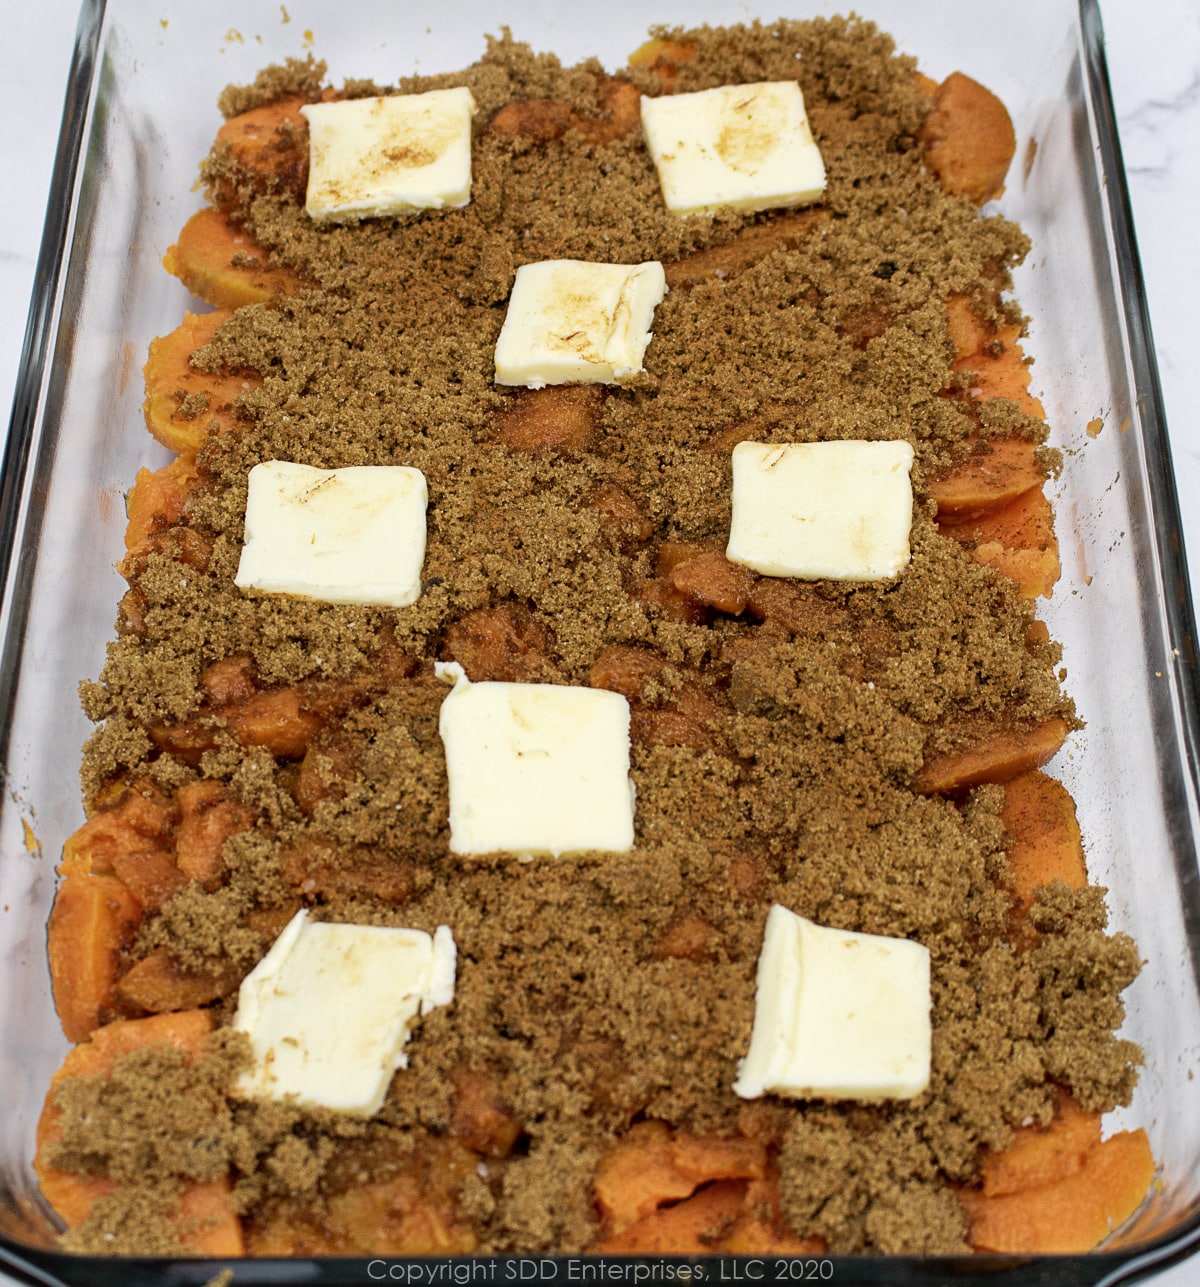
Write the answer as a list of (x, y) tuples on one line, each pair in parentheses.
[(140, 113)]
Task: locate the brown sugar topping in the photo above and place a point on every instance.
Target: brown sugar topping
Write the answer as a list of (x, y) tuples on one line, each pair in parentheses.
[(778, 725)]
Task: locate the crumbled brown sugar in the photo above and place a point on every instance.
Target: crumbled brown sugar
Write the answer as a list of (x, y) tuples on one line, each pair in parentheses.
[(774, 747)]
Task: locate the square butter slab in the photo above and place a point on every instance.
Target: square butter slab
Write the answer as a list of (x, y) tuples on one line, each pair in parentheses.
[(372, 157), (574, 322), (741, 147), (329, 1010), (536, 768), (838, 510), (354, 535), (837, 1015)]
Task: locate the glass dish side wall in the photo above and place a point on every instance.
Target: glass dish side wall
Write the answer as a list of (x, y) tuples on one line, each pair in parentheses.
[(154, 117)]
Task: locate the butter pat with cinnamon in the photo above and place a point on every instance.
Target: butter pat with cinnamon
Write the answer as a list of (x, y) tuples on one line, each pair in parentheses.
[(374, 157), (536, 768), (837, 1015), (352, 535), (570, 321), (740, 147), (330, 1007), (836, 510)]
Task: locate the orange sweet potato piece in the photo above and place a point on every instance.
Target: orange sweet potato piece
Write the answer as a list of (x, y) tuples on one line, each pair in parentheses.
[(784, 231), (137, 819), (1017, 540), (91, 925), (650, 1167), (1072, 1213), (999, 370), (482, 1119), (1044, 841), (624, 522), (315, 868), (625, 669), (690, 1227), (995, 473), (638, 1174), (207, 819), (544, 120), (663, 56), (208, 1227), (505, 643), (271, 143), (175, 389), (223, 264), (969, 139), (689, 939), (157, 498), (560, 417), (159, 984), (150, 875), (414, 1213), (966, 331), (710, 579), (995, 755), (1042, 1155), (277, 719)]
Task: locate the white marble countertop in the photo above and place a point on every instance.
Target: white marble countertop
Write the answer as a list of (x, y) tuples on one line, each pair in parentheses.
[(1154, 60)]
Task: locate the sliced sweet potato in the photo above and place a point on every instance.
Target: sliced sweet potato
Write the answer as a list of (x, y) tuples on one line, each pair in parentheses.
[(482, 1118), (995, 755), (691, 1227), (157, 497), (996, 472), (710, 579), (625, 669), (1017, 540), (159, 984), (413, 1213), (557, 418), (138, 817), (207, 818), (505, 643), (969, 139), (688, 939), (999, 370), (651, 1167), (624, 522), (207, 1225), (1072, 1213), (221, 263), (664, 57), (271, 144), (313, 867), (1044, 841), (784, 231), (91, 925), (545, 120), (183, 403), (150, 875), (277, 720), (967, 332), (1040, 1155)]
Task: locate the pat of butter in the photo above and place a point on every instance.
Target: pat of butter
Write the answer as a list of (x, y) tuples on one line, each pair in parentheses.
[(354, 535), (837, 1015), (536, 768), (746, 147), (329, 1009), (841, 510), (372, 157), (573, 322)]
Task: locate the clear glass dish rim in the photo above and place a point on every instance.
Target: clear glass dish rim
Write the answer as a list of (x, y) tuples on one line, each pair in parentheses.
[(1175, 599)]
